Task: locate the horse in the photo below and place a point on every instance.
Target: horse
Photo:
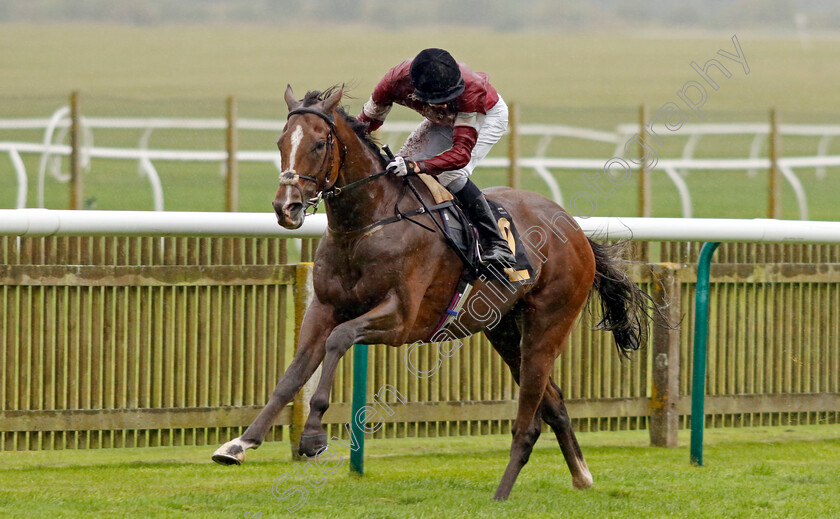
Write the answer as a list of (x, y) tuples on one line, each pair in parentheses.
[(383, 280)]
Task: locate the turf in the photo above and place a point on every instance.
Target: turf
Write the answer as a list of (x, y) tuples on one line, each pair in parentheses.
[(755, 472)]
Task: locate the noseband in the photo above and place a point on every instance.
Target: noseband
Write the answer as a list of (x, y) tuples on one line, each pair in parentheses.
[(334, 164)]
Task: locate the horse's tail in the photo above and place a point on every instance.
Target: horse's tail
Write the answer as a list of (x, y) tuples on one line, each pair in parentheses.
[(625, 307)]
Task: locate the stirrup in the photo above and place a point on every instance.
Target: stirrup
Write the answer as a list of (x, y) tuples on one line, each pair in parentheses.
[(498, 256)]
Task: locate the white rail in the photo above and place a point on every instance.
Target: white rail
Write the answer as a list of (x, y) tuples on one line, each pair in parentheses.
[(49, 222), (46, 222), (712, 230), (826, 133)]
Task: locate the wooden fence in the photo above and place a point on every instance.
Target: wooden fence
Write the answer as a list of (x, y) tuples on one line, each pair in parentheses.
[(112, 342)]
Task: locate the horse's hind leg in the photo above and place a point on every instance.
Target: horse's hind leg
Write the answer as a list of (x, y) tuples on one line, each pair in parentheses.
[(555, 415), (505, 339), (545, 323), (530, 370), (537, 360)]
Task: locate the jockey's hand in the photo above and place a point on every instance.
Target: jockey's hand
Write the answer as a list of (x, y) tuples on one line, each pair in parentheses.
[(402, 167)]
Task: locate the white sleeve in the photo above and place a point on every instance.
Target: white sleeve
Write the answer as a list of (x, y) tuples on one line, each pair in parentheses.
[(375, 111), (472, 119)]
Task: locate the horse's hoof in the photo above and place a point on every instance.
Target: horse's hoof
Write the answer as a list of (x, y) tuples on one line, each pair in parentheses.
[(583, 482), (226, 459), (501, 495), (310, 446), (582, 478), (231, 453)]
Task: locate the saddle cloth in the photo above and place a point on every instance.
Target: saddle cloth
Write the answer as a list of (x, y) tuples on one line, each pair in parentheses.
[(522, 273), (462, 235)]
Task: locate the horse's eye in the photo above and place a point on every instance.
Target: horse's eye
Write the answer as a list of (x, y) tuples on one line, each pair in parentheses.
[(320, 145)]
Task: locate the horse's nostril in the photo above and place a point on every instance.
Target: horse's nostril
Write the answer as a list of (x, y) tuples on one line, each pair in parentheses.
[(293, 207)]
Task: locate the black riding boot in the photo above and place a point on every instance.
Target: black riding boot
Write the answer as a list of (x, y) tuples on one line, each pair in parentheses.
[(494, 248)]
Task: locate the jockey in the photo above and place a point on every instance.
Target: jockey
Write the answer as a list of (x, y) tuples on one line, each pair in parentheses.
[(464, 118)]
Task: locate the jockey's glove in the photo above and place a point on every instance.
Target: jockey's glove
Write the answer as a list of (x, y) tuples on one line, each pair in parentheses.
[(401, 167)]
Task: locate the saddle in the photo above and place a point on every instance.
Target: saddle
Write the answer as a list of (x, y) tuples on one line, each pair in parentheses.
[(461, 234), (463, 238)]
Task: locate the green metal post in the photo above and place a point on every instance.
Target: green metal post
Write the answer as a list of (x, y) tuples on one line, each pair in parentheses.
[(701, 332), (360, 365)]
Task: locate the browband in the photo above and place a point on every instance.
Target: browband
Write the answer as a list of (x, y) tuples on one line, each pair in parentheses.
[(305, 110)]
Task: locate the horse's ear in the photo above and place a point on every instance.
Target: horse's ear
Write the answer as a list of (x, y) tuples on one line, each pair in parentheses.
[(291, 100), (331, 102)]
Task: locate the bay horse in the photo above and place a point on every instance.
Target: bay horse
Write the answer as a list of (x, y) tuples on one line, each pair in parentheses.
[(378, 283)]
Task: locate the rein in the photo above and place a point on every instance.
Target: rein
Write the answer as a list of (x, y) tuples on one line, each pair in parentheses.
[(335, 191)]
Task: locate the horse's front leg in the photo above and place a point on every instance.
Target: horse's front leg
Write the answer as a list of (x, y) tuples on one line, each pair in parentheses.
[(317, 324), (381, 325)]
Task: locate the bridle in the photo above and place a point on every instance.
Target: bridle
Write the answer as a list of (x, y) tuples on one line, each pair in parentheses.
[(334, 160)]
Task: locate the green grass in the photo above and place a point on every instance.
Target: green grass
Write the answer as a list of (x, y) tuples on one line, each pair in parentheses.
[(593, 80), (753, 472), (606, 69)]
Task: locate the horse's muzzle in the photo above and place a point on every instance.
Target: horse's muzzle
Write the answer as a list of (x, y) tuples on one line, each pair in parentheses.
[(289, 214)]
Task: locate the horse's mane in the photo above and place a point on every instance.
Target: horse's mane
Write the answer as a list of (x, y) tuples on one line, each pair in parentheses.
[(315, 96)]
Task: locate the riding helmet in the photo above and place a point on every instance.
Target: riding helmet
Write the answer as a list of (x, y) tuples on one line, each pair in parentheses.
[(436, 76)]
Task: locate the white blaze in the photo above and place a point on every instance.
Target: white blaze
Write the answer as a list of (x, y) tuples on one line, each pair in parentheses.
[(297, 136)]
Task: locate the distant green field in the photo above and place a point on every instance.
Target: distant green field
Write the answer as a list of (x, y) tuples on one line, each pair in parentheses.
[(589, 80), (539, 69)]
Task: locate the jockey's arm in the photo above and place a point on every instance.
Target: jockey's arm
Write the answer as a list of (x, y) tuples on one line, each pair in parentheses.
[(464, 137), (374, 114), (381, 99)]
